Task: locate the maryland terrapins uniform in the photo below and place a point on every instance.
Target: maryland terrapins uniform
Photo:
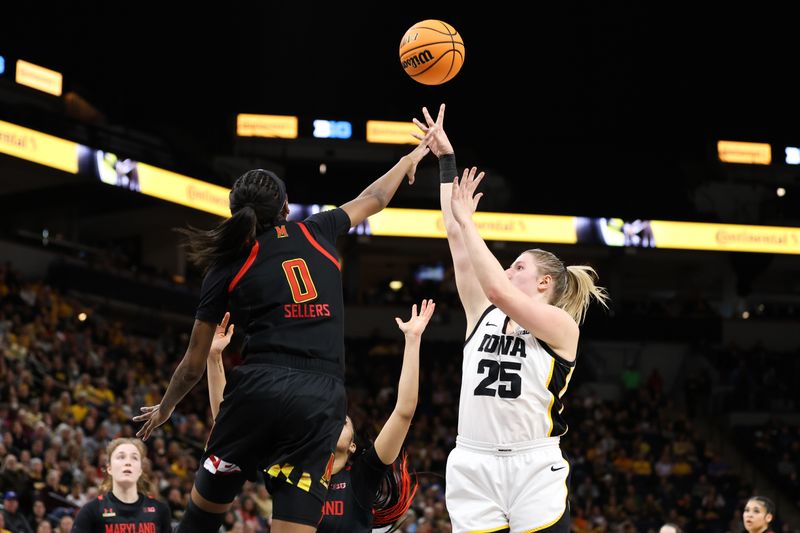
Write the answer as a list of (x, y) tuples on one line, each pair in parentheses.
[(284, 408), (348, 505), (107, 514)]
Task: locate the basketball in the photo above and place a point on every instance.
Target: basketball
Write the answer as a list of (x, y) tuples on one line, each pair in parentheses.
[(431, 52)]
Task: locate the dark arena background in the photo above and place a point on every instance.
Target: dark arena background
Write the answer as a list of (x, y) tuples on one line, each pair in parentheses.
[(659, 144)]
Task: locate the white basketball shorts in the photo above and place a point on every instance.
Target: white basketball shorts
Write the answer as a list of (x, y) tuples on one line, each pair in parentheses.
[(520, 488)]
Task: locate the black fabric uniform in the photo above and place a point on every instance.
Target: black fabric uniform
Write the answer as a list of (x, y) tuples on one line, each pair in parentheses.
[(348, 506), (284, 408), (107, 514)]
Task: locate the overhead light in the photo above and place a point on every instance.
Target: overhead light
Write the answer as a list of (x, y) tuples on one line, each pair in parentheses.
[(40, 78), (333, 129), (280, 126), (744, 152), (792, 155), (395, 285)]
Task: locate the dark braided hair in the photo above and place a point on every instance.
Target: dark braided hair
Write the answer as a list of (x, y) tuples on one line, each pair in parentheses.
[(396, 491), (769, 505), (256, 200), (395, 495)]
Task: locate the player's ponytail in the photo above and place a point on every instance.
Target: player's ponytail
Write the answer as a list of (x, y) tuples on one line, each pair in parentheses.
[(395, 495), (575, 285), (257, 201)]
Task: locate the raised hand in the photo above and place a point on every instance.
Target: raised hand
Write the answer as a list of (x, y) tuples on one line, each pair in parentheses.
[(417, 323), (464, 201), (421, 150), (222, 336), (439, 143)]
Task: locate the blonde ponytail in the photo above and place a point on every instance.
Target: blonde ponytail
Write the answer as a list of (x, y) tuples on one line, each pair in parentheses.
[(574, 285)]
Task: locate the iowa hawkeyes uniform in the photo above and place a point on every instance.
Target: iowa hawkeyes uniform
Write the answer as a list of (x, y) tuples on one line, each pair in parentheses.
[(284, 408), (107, 514), (507, 472)]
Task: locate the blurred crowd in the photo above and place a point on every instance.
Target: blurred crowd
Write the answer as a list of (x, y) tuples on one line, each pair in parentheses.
[(68, 386)]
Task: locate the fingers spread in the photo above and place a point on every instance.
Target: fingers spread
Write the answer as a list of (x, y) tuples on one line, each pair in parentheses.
[(427, 116)]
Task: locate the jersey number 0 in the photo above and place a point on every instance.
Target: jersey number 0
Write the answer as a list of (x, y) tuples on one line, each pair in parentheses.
[(299, 279)]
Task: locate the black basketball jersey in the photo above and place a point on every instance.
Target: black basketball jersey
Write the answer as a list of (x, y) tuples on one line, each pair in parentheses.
[(107, 514), (351, 492), (286, 295)]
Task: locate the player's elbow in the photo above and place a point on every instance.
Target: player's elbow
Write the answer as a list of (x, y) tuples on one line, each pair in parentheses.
[(497, 294), (372, 202), (192, 371), (380, 199), (405, 412)]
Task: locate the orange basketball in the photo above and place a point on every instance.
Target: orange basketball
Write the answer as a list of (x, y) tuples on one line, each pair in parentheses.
[(431, 52)]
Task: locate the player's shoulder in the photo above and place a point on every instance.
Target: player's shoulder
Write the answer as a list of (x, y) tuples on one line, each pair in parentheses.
[(97, 502), (149, 501)]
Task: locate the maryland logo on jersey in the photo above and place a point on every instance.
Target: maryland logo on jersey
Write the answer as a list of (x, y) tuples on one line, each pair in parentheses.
[(326, 477)]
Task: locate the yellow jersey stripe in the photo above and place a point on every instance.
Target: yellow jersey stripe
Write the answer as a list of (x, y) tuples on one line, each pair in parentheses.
[(552, 397), (493, 530)]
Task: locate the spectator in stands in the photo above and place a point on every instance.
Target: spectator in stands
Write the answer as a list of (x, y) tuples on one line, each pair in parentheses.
[(12, 475), (38, 515), (3, 524), (758, 513), (65, 524), (14, 520)]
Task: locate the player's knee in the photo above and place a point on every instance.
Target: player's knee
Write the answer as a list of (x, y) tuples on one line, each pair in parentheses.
[(207, 505), (197, 520)]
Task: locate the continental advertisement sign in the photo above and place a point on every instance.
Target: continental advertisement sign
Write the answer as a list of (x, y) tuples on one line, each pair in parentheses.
[(126, 173), (726, 237), (119, 171), (32, 145), (183, 190), (492, 226), (687, 235)]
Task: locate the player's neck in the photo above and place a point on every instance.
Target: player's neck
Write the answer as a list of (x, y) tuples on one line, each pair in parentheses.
[(339, 462), (125, 494)]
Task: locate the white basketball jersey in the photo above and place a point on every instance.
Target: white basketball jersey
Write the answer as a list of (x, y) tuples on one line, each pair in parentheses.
[(511, 384)]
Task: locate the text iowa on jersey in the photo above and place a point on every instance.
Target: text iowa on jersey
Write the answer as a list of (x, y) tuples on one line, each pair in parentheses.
[(503, 345)]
